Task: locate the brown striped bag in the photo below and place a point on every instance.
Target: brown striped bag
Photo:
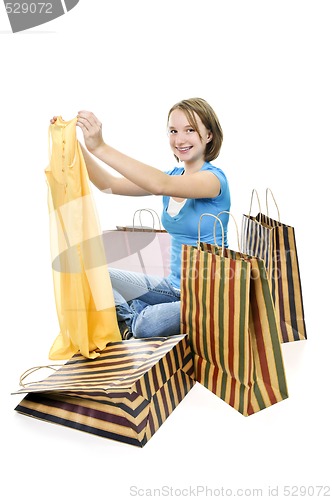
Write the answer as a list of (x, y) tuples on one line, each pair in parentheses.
[(125, 394), (228, 313), (274, 242)]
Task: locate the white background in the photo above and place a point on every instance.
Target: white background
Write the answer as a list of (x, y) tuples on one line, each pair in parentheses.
[(265, 67)]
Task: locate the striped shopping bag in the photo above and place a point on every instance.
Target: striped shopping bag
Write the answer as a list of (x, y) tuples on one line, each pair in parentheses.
[(274, 242), (125, 394), (228, 313)]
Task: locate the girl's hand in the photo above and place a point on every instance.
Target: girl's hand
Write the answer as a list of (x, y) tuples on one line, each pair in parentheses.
[(53, 120), (92, 130)]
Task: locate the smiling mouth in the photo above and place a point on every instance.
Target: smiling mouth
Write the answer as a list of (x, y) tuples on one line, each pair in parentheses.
[(184, 150)]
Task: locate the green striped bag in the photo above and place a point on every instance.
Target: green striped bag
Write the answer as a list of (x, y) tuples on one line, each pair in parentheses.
[(125, 394), (228, 313), (274, 242)]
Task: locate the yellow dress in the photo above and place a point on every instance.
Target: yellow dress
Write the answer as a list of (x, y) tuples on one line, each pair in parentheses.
[(82, 287)]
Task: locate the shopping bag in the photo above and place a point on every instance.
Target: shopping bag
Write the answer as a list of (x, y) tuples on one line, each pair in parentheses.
[(125, 394), (274, 242), (139, 248), (228, 313)]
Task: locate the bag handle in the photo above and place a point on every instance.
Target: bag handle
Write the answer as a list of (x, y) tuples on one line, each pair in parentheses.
[(254, 191), (214, 230), (237, 230), (217, 219), (268, 190), (34, 369), (152, 212)]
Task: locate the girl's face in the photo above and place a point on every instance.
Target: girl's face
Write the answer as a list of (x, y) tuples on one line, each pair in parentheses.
[(187, 143)]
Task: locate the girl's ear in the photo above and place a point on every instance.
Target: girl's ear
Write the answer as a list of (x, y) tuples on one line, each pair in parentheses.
[(209, 137)]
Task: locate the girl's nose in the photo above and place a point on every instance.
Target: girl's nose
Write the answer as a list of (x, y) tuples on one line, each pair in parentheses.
[(180, 138)]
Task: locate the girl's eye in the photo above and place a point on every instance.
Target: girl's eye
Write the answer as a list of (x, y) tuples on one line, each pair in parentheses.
[(188, 131)]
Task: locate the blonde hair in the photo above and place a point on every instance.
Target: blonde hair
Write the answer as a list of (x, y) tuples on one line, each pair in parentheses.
[(201, 108)]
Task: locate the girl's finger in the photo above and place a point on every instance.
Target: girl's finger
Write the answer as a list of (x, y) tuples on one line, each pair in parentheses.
[(85, 121), (90, 117)]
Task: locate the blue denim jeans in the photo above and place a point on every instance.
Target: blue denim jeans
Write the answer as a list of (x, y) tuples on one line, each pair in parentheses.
[(149, 305)]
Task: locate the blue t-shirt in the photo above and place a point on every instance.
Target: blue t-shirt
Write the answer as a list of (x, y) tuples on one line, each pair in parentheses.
[(183, 227)]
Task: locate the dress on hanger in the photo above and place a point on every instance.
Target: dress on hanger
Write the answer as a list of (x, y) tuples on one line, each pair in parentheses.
[(82, 287)]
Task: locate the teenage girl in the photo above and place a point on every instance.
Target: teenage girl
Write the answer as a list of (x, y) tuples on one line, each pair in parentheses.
[(149, 306)]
